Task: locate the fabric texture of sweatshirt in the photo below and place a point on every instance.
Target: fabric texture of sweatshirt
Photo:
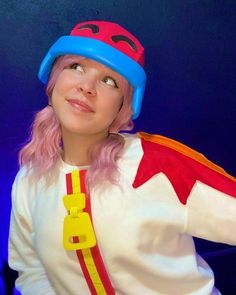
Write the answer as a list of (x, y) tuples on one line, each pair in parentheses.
[(143, 226)]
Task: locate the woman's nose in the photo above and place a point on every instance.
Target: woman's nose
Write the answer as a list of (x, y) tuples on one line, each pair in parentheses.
[(88, 86)]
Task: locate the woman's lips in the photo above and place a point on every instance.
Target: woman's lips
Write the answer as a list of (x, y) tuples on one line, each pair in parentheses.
[(80, 105)]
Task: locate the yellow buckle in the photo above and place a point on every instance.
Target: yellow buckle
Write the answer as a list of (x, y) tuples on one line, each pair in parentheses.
[(77, 224), (74, 200)]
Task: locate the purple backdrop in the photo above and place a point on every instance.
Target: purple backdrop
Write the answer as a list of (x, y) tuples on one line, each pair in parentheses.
[(190, 96)]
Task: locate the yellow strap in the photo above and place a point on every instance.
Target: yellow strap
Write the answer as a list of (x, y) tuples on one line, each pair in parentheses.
[(76, 182), (92, 270), (87, 255)]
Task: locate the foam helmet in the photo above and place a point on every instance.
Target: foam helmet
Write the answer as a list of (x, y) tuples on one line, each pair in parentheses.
[(107, 43)]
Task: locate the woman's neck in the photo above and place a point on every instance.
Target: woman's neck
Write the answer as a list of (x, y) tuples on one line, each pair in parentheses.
[(76, 147)]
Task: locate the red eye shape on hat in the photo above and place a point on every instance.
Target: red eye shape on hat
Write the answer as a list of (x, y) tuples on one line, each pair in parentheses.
[(94, 28), (118, 38), (113, 35), (115, 38)]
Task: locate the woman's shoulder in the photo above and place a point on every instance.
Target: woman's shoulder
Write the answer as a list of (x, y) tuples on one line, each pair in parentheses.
[(132, 146), (156, 145), (20, 175), (170, 148), (23, 182), (181, 164)]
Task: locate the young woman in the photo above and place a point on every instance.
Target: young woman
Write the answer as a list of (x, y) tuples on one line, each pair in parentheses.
[(95, 211)]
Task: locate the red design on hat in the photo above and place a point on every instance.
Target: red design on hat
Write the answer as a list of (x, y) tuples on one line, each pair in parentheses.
[(113, 35)]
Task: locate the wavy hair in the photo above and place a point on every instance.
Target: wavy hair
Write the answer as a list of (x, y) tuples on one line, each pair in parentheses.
[(45, 144)]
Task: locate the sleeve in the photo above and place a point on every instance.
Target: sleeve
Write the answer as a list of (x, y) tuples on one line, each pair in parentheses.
[(207, 191), (32, 278), (211, 214)]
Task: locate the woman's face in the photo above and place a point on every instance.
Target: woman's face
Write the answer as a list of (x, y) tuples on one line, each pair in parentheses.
[(87, 97)]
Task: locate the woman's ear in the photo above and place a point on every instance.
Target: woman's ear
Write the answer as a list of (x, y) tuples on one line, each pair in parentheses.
[(50, 102)]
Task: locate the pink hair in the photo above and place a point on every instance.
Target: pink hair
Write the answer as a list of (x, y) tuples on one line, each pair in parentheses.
[(43, 149)]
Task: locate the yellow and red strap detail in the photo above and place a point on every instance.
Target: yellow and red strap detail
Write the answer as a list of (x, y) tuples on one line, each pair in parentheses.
[(90, 258)]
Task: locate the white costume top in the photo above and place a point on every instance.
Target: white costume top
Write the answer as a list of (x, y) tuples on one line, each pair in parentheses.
[(144, 233)]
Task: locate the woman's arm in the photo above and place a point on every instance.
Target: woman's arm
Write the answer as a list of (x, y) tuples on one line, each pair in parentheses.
[(211, 214), (207, 191), (23, 258)]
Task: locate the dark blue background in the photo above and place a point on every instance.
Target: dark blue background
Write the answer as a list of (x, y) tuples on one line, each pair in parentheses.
[(190, 96)]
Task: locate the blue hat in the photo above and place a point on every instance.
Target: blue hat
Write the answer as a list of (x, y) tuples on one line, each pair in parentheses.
[(109, 44)]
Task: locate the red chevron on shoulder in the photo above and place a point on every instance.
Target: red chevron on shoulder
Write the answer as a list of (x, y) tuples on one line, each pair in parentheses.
[(182, 165)]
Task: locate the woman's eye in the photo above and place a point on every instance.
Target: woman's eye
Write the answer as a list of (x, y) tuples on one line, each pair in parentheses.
[(77, 67), (110, 81)]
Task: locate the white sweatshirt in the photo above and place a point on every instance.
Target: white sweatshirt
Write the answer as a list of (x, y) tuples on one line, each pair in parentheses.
[(144, 234)]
